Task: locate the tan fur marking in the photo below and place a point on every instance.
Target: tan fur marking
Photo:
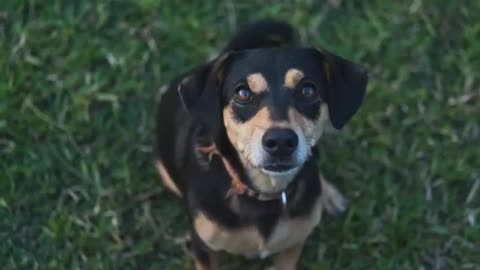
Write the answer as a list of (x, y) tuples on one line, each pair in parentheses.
[(245, 241), (239, 132), (292, 77), (257, 83), (200, 266), (312, 130), (261, 120), (230, 125), (166, 179)]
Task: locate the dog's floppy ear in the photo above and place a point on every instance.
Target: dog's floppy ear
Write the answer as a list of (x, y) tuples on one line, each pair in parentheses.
[(201, 93), (347, 84)]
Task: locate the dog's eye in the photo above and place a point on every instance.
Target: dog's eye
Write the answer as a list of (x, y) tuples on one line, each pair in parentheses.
[(243, 94), (308, 91)]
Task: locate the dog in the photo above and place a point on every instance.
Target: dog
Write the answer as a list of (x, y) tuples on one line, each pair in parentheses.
[(237, 138)]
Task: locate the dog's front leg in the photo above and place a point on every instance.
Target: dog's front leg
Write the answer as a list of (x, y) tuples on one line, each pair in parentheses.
[(289, 258), (334, 203), (204, 258)]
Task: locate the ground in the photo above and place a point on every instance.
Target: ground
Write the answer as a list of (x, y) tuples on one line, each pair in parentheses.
[(78, 84)]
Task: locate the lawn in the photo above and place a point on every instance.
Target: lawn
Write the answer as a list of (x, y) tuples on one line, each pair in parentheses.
[(78, 84)]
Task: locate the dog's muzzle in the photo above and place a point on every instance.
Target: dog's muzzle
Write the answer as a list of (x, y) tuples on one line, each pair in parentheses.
[(280, 144)]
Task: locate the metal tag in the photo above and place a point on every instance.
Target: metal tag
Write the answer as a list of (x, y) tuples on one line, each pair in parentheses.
[(284, 199)]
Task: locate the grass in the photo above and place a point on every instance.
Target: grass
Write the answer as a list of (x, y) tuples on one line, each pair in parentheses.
[(78, 83)]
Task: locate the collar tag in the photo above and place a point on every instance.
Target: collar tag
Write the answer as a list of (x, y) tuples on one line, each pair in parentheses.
[(284, 199)]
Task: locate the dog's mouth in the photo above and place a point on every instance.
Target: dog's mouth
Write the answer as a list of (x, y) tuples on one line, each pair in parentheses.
[(279, 168)]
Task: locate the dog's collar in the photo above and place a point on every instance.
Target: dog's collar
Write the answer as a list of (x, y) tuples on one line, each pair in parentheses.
[(238, 187)]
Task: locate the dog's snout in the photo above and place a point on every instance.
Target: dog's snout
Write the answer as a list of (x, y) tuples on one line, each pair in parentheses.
[(280, 141)]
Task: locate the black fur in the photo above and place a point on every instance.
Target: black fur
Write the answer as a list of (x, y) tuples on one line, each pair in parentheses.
[(262, 34)]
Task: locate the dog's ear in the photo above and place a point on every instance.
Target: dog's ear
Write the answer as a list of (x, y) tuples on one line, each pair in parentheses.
[(201, 93), (347, 84)]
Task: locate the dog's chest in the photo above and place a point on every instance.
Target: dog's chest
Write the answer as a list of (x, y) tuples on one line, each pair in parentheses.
[(249, 242)]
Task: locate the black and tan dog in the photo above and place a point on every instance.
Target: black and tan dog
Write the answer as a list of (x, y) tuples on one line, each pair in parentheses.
[(237, 141)]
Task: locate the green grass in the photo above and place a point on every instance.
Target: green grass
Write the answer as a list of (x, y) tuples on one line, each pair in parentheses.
[(78, 84)]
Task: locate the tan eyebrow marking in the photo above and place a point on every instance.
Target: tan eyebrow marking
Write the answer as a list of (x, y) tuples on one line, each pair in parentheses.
[(257, 83), (292, 77)]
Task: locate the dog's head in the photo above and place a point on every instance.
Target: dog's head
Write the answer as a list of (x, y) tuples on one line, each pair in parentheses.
[(273, 105)]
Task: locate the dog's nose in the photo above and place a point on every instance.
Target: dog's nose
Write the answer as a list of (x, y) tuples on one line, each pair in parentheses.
[(280, 141)]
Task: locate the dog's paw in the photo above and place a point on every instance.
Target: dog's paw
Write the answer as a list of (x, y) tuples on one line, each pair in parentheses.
[(334, 203), (184, 241)]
